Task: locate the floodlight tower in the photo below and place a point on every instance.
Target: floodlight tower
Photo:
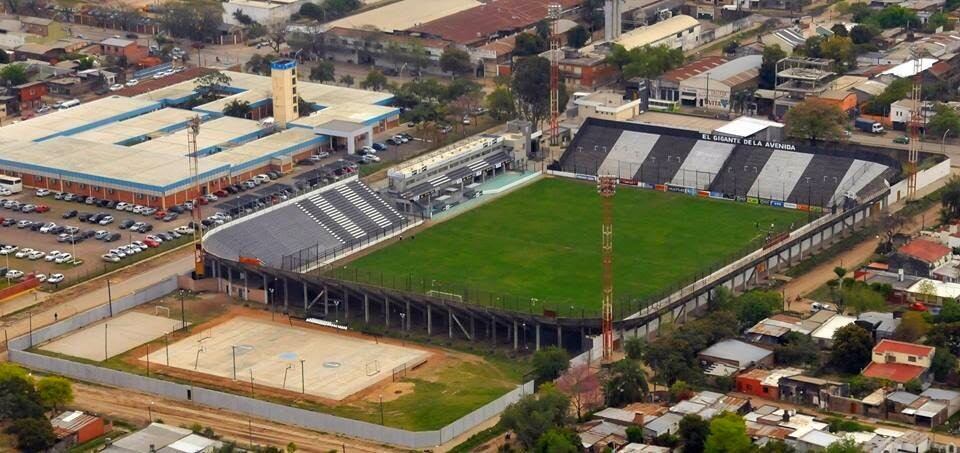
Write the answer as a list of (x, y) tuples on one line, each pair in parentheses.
[(607, 187), (916, 122), (193, 129), (554, 10)]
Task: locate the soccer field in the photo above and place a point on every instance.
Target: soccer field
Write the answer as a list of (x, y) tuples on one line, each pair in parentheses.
[(543, 242)]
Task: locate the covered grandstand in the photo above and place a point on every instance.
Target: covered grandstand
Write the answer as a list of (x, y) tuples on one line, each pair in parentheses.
[(730, 167), (344, 216)]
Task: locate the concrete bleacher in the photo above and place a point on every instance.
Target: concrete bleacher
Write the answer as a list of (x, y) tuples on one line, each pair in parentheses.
[(324, 220), (659, 155)]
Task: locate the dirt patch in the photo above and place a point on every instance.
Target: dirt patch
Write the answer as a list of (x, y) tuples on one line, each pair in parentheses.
[(392, 391)]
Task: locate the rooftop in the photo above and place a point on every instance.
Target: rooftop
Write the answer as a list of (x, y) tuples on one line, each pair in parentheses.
[(82, 117), (896, 372), (909, 69), (481, 22), (744, 354), (925, 250), (901, 347), (746, 126), (403, 15), (938, 288), (940, 394), (828, 328), (693, 68), (465, 146), (650, 34), (734, 72), (117, 42)]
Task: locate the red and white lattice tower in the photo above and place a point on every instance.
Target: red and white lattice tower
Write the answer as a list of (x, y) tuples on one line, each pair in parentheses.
[(554, 10), (607, 187)]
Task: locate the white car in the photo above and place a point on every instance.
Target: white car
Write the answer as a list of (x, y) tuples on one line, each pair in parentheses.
[(106, 220), (55, 278), (14, 274), (8, 249), (63, 258), (40, 277), (372, 158), (35, 255), (140, 244), (5, 192), (138, 209), (116, 87), (183, 229), (121, 206), (130, 83), (211, 197), (22, 253), (47, 227), (52, 256), (261, 178), (118, 253), (110, 258), (42, 192)]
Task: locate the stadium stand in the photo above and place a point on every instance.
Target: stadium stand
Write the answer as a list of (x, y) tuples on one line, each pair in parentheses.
[(783, 172), (327, 219)]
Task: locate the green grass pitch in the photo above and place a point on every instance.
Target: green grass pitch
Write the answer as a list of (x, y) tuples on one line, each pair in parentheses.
[(543, 242)]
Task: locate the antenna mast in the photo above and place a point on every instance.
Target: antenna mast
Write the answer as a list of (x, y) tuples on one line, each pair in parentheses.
[(554, 10), (193, 128), (916, 122), (607, 187)]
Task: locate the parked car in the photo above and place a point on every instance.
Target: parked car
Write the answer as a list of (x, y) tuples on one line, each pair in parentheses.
[(47, 227), (52, 256), (55, 278), (64, 258), (110, 258), (106, 220), (70, 214), (14, 274), (42, 192)]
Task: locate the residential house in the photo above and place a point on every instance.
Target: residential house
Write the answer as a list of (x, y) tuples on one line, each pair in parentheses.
[(823, 335), (160, 437), (920, 256), (381, 49), (811, 391), (50, 53), (584, 71), (597, 436), (932, 292), (901, 112), (643, 448), (75, 427), (36, 25), (728, 356), (840, 92), (787, 38), (918, 410), (124, 49), (867, 90), (30, 95), (771, 331), (619, 416), (667, 423), (880, 325), (815, 441), (899, 361), (606, 105), (763, 383)]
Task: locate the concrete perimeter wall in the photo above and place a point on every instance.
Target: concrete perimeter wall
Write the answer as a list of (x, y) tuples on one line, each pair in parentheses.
[(219, 400)]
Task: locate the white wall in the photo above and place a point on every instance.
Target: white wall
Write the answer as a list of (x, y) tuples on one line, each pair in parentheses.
[(263, 14)]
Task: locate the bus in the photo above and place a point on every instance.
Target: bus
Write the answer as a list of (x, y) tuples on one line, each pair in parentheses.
[(11, 183)]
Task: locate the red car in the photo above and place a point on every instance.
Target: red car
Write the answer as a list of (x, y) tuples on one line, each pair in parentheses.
[(151, 243), (160, 215), (917, 306), (42, 208), (201, 201), (221, 193)]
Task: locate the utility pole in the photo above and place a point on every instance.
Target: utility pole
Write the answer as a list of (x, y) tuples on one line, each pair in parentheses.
[(197, 217)]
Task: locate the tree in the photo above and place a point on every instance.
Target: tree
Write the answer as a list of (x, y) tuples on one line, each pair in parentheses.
[(33, 434), (945, 120), (796, 349), (54, 391), (559, 441), (625, 383), (347, 80), (18, 396), (634, 434), (768, 68), (323, 72), (634, 348), (501, 104), (237, 108), (943, 364), (527, 44), (536, 414), (647, 62), (728, 434), (912, 327), (314, 11), (375, 81), (85, 62), (582, 386), (731, 47), (212, 82), (895, 91), (840, 49), (755, 306), (693, 430), (950, 199), (861, 34), (455, 61), (242, 18), (577, 36), (844, 445), (531, 88), (549, 363), (815, 120), (776, 446), (852, 348), (949, 312), (259, 64), (194, 20), (680, 391), (839, 30), (860, 298), (14, 74)]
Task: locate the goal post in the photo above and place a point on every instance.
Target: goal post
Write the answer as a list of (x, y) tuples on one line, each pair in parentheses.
[(372, 367), (445, 295)]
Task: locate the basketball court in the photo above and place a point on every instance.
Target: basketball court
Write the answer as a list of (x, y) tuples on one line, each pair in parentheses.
[(120, 334), (333, 365)]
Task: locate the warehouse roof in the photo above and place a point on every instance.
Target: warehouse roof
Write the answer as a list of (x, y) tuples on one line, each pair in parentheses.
[(481, 22), (735, 350), (746, 126), (693, 68), (907, 69), (256, 152), (735, 71), (77, 119), (104, 164), (648, 35), (159, 121), (348, 111), (403, 14), (219, 132), (828, 328)]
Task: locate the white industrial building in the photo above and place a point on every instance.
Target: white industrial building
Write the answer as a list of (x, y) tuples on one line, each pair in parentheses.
[(262, 11)]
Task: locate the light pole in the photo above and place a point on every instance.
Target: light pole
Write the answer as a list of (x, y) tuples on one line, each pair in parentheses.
[(109, 298), (943, 141), (183, 313), (233, 349), (381, 409), (273, 311), (303, 381), (285, 370), (150, 412)]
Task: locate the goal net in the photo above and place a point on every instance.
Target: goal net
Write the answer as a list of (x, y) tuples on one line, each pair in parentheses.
[(372, 367)]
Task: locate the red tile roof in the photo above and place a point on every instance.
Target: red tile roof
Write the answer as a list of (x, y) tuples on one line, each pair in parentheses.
[(902, 347), (479, 23), (691, 69), (924, 250), (896, 372)]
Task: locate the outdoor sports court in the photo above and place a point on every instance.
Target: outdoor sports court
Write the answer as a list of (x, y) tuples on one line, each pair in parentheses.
[(122, 333), (335, 366)]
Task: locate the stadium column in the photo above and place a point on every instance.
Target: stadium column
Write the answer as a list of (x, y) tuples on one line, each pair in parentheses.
[(429, 319), (266, 293), (286, 296), (516, 336), (537, 330), (406, 319), (229, 281), (216, 276), (559, 336), (326, 298), (366, 308), (386, 310), (449, 322), (306, 299)]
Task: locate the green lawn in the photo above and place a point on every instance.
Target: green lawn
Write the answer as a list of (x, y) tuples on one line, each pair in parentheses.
[(543, 242)]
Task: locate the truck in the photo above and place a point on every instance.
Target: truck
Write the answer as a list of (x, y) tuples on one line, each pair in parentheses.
[(870, 126)]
